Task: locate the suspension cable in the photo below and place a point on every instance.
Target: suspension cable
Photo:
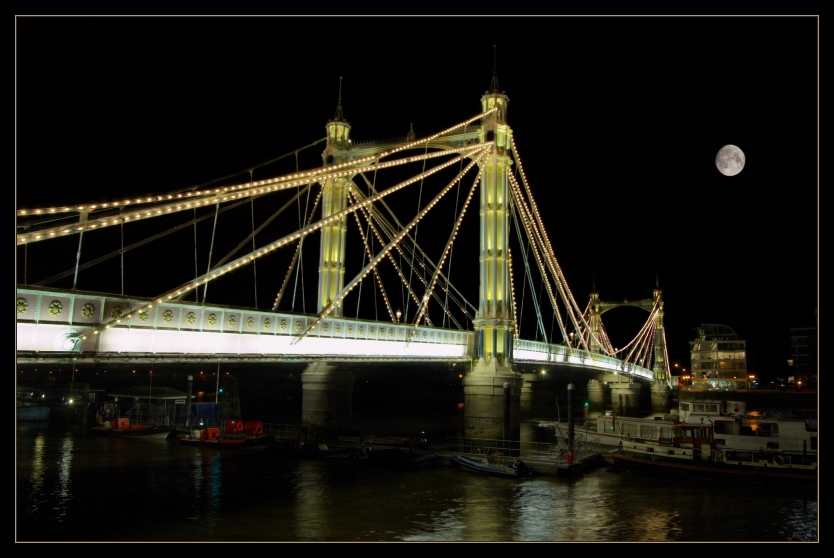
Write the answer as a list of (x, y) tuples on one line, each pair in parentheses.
[(211, 248), (254, 248)]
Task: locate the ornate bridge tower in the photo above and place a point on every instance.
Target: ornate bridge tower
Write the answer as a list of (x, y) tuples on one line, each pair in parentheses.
[(328, 390), (624, 392), (334, 199), (493, 376), (660, 386)]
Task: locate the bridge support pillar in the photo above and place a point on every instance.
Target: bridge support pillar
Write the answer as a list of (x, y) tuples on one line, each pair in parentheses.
[(528, 394), (660, 397), (625, 398), (596, 398), (326, 393), (483, 401)]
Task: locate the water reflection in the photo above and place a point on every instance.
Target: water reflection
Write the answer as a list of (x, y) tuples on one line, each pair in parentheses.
[(37, 473), (64, 477), (73, 487), (539, 507), (207, 480), (311, 501)]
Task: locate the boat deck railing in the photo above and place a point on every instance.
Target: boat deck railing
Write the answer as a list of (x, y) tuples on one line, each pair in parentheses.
[(281, 431)]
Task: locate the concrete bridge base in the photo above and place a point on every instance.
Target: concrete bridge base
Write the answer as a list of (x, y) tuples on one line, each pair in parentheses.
[(485, 415), (625, 398), (528, 394), (326, 395), (596, 397), (661, 397)]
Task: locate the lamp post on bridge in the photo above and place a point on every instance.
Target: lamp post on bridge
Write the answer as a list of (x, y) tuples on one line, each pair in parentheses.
[(399, 314)]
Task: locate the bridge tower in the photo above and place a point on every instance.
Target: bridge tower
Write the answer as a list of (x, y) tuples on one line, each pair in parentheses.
[(327, 391), (660, 386), (334, 199), (625, 392), (493, 366), (594, 322)]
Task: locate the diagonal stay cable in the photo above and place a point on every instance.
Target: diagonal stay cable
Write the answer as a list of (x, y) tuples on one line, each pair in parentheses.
[(407, 248), (115, 253), (296, 255), (265, 250), (461, 301), (338, 298)]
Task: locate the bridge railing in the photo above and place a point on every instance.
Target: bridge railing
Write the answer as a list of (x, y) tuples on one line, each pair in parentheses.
[(549, 353)]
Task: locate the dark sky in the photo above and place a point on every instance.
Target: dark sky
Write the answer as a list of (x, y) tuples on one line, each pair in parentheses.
[(617, 120)]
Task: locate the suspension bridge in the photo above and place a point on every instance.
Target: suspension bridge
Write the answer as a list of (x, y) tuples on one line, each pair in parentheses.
[(430, 249)]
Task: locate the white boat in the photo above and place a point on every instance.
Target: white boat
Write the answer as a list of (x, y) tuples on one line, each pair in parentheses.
[(717, 439), (734, 427)]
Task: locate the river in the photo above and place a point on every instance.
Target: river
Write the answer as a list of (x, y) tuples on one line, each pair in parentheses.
[(73, 487)]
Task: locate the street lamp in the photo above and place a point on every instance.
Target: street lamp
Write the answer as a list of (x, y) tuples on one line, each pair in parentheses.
[(398, 316)]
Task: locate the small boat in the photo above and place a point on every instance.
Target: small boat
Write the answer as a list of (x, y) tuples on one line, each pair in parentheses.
[(493, 465), (396, 458), (295, 450), (237, 435), (323, 451), (121, 427), (399, 441), (32, 412), (32, 405)]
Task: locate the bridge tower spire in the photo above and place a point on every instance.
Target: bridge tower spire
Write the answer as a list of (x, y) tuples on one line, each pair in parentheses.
[(334, 199), (483, 386)]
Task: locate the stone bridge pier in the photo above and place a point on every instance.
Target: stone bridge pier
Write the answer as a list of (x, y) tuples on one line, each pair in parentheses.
[(625, 396), (327, 393)]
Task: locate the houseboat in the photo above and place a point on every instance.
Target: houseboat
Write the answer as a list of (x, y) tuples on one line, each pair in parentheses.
[(718, 440)]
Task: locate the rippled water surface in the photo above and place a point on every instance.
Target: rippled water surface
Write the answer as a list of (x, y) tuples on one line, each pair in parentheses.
[(73, 487)]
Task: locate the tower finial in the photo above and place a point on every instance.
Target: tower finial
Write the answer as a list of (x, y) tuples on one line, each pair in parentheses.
[(339, 115), (493, 85)]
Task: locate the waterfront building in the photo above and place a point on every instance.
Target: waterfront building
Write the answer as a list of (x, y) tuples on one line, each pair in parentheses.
[(718, 359), (803, 361)]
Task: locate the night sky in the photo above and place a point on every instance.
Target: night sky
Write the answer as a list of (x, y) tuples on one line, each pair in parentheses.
[(618, 121)]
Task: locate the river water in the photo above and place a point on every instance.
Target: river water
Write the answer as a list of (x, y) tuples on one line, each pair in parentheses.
[(75, 487)]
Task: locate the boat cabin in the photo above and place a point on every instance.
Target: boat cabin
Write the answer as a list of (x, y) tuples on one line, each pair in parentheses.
[(695, 410)]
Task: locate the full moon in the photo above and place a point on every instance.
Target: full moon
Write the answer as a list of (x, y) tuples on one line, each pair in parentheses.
[(730, 160)]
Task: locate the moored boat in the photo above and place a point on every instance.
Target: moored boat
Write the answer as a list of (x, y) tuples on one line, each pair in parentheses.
[(734, 427), (299, 450), (717, 440), (418, 441), (121, 427), (493, 465), (237, 434), (31, 412)]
